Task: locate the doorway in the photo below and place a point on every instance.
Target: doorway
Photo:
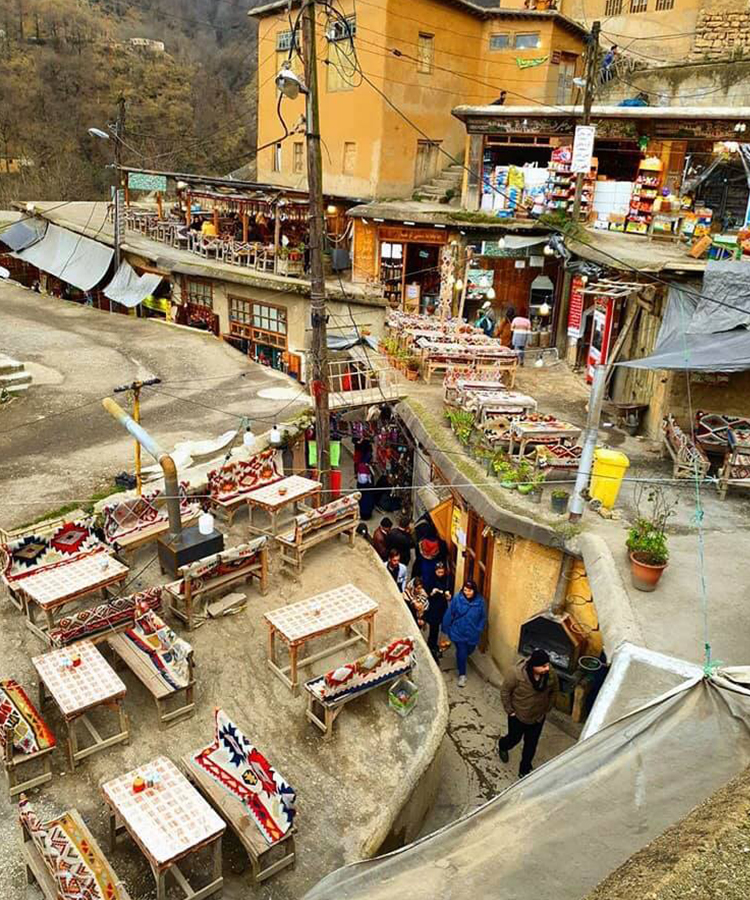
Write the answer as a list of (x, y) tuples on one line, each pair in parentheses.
[(427, 161), (422, 275), (480, 545)]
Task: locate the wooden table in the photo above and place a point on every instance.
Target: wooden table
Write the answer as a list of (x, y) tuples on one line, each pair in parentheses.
[(455, 392), (77, 691), (498, 403), (273, 498), (168, 822), (53, 589), (298, 623), (554, 432)]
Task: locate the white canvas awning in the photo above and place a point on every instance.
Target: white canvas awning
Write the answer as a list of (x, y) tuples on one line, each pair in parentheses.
[(71, 257), (129, 288)]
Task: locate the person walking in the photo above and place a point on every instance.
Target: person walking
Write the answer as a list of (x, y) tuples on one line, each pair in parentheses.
[(380, 537), (464, 622), (397, 569), (520, 329), (437, 588), (416, 599), (527, 695), (399, 538)]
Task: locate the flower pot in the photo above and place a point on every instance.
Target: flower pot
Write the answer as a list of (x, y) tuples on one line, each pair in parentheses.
[(560, 504), (525, 488), (412, 374), (645, 576), (536, 495)]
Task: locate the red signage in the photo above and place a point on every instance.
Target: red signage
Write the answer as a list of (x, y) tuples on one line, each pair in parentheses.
[(575, 308)]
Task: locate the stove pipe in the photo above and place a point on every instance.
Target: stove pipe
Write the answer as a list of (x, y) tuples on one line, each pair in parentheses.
[(171, 487)]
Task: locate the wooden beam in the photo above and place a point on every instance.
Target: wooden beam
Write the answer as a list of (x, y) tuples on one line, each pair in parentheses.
[(159, 205), (188, 209), (244, 226)]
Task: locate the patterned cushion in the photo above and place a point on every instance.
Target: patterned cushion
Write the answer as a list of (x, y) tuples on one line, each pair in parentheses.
[(343, 508), (33, 553), (126, 517), (375, 667), (88, 623), (30, 731), (236, 559), (240, 478)]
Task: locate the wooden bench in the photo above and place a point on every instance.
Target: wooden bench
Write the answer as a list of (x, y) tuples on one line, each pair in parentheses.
[(24, 737), (217, 573), (688, 458), (329, 693), (102, 621), (63, 849), (728, 437), (229, 486), (314, 526), (557, 456), (162, 662), (129, 524), (262, 819)]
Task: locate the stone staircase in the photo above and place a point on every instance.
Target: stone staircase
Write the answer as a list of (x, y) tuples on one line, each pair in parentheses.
[(13, 376), (449, 179)]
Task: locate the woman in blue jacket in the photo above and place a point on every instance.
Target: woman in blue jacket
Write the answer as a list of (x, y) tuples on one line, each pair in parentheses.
[(464, 622)]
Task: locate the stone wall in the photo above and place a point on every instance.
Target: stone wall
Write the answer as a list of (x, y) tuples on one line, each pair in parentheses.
[(722, 33)]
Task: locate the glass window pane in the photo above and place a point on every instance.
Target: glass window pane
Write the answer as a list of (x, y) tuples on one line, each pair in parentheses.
[(528, 41)]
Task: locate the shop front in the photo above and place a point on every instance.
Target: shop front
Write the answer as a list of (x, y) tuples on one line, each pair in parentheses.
[(410, 266), (259, 329), (197, 307)]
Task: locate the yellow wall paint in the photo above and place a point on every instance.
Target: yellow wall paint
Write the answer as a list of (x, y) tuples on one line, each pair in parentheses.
[(464, 70), (579, 602)]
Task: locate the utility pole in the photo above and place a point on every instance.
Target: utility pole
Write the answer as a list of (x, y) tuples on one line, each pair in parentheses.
[(591, 80), (119, 131), (135, 387), (317, 245), (590, 435)]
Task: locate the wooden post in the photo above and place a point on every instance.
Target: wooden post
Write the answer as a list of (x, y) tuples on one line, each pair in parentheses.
[(188, 207), (159, 205), (216, 220), (244, 227), (276, 238)]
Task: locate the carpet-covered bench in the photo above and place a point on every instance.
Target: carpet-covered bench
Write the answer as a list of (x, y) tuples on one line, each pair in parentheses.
[(688, 458), (161, 661), (254, 799), (218, 572), (557, 456), (102, 621), (229, 485), (24, 737), (313, 526), (128, 524), (43, 549), (64, 859), (330, 692), (729, 437)]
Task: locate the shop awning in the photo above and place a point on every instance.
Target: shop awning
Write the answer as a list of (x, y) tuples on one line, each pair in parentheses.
[(23, 234), (129, 288), (71, 257), (679, 347)]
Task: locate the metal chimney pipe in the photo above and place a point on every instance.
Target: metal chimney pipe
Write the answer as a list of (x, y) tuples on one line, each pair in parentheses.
[(171, 487)]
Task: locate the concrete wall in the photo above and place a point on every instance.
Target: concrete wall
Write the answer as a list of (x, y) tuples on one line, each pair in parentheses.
[(731, 397)]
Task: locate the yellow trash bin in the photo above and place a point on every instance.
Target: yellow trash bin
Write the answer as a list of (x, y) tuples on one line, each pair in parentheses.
[(609, 470)]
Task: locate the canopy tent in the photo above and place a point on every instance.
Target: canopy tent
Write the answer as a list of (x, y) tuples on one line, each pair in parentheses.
[(557, 833), (704, 329), (24, 233), (71, 257), (129, 288)]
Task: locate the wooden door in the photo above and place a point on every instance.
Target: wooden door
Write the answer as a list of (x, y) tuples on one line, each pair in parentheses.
[(478, 564), (565, 73)]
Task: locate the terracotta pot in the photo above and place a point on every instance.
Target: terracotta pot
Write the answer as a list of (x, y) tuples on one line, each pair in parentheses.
[(412, 374), (645, 577)]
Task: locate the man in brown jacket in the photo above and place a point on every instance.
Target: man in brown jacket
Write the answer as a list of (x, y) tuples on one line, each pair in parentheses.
[(527, 695)]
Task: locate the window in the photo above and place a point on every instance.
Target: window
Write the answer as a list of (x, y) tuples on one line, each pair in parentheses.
[(638, 6), (425, 53), (338, 31), (276, 151), (527, 41), (298, 160), (566, 71), (664, 4), (613, 7), (342, 67), (269, 318), (257, 322), (284, 41), (499, 41), (350, 158), (200, 293)]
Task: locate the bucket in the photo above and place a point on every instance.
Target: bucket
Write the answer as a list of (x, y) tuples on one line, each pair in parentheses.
[(610, 467)]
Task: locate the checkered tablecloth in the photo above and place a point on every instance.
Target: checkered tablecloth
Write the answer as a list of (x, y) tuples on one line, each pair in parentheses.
[(169, 819), (324, 611), (75, 690), (294, 486), (71, 579)]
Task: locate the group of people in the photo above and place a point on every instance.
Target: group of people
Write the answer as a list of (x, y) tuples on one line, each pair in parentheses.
[(512, 330), (528, 693)]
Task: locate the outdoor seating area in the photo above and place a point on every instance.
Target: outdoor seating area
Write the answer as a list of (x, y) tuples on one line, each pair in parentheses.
[(725, 439), (690, 460), (315, 526), (229, 486), (24, 738)]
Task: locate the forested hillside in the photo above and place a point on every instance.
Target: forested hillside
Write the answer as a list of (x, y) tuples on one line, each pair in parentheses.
[(65, 63)]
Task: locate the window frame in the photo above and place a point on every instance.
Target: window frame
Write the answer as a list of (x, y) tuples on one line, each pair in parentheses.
[(613, 8), (664, 5), (242, 321), (337, 32), (425, 40), (519, 34), (276, 157), (345, 170), (638, 6), (508, 35), (199, 297), (298, 157)]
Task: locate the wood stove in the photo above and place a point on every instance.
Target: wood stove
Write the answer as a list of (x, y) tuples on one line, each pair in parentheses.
[(559, 635)]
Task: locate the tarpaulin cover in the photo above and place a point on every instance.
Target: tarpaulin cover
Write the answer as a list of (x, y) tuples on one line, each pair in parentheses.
[(725, 298), (678, 347), (565, 827), (129, 288), (23, 234), (71, 257), (347, 341)]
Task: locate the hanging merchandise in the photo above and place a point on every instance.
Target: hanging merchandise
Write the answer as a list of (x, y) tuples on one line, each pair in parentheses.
[(335, 453), (645, 192)]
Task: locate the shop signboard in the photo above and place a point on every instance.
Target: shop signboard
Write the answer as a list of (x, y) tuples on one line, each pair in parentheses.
[(575, 308), (140, 181), (583, 148), (413, 235)]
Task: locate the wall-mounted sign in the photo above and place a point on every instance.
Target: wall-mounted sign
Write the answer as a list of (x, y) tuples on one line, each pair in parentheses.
[(583, 148), (139, 181), (575, 308)]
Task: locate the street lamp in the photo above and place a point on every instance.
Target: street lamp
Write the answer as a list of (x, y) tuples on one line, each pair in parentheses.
[(106, 136), (289, 84)]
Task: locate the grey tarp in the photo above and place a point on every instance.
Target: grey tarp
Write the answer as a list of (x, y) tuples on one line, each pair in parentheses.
[(71, 257), (24, 233), (347, 341), (561, 830), (129, 288), (725, 298), (678, 348)]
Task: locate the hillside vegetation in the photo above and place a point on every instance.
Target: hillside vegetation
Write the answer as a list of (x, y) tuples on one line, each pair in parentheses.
[(65, 63)]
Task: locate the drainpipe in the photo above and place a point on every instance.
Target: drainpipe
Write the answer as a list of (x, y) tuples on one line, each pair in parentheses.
[(171, 487)]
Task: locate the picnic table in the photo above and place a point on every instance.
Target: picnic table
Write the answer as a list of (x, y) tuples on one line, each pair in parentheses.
[(439, 357), (53, 588), (554, 431), (487, 404), (298, 623), (78, 690), (169, 822), (273, 498)]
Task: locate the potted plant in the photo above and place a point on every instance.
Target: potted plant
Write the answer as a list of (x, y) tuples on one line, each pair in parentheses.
[(523, 474), (412, 368), (462, 423), (560, 502), (505, 471), (647, 538), (537, 487)]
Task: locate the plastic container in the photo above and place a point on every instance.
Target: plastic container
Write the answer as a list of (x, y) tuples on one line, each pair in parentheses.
[(402, 697), (610, 467)]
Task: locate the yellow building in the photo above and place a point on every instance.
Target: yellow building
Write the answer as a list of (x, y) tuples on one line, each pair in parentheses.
[(414, 62)]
